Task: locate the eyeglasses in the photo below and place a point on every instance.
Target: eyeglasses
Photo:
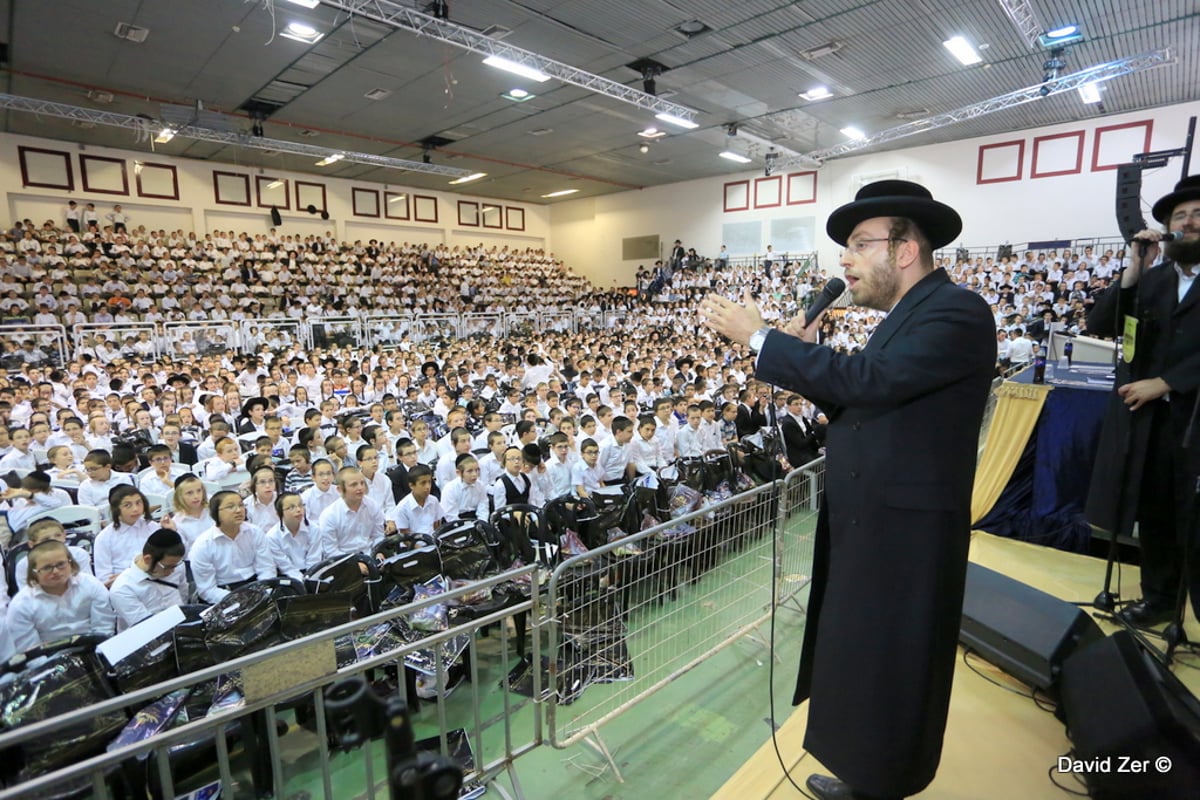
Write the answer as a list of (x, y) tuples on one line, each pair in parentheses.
[(46, 570), (861, 245), (1180, 216)]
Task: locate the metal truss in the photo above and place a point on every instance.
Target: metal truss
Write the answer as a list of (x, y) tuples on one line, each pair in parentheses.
[(149, 128), (398, 16), (1024, 18), (1096, 74)]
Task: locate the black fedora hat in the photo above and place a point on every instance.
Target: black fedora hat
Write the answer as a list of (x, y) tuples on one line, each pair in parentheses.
[(1186, 189), (892, 198)]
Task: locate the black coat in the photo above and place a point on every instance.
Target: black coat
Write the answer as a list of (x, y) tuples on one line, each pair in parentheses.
[(893, 531), (1167, 346), (802, 441)]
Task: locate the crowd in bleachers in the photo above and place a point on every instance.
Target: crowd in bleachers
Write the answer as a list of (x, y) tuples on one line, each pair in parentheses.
[(251, 465)]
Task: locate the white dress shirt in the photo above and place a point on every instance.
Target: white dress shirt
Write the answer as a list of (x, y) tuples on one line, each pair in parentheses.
[(36, 617), (115, 548), (414, 518), (379, 489), (294, 554), (218, 560), (459, 498), (344, 531), (95, 493), (261, 515), (136, 596), (316, 501)]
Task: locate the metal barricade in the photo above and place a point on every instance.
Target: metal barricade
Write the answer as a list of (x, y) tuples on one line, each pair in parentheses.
[(442, 327), (36, 345), (127, 337), (799, 502), (628, 618), (387, 330), (298, 675), (521, 325), (480, 323), (557, 321), (200, 337), (586, 320), (335, 331), (275, 333)]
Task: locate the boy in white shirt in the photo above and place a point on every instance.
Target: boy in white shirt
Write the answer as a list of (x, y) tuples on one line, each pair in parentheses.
[(419, 511)]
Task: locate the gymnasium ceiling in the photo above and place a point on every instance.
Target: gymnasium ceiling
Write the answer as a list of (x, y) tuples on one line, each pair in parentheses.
[(889, 67)]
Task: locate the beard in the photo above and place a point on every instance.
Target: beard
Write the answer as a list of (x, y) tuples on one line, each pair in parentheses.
[(1183, 252)]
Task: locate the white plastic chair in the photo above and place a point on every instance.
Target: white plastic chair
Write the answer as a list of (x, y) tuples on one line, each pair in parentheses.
[(76, 513), (158, 505)]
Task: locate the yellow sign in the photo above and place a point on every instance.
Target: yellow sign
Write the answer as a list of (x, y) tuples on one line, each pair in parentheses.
[(1129, 339)]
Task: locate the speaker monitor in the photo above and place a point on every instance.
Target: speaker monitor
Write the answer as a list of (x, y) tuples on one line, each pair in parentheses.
[(1129, 200), (275, 218), (1124, 713), (1004, 251), (1024, 631)]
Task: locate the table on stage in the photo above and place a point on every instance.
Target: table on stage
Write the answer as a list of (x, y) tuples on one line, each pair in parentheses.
[(1033, 479)]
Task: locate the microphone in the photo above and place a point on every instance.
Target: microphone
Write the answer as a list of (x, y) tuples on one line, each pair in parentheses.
[(1173, 236), (832, 291)]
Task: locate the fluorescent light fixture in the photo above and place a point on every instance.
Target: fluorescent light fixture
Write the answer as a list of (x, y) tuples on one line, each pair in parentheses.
[(1089, 93), (468, 178), (561, 193), (499, 62), (652, 133), (275, 184), (736, 157), (1064, 34), (961, 49), (518, 95), (853, 133), (680, 121), (165, 135), (816, 93), (300, 32), (306, 3), (325, 162)]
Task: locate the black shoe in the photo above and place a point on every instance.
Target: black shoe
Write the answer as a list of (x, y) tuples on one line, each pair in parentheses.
[(1144, 614), (827, 788)]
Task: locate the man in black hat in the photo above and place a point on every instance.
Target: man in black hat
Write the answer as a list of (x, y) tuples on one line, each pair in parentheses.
[(890, 562), (1153, 409)]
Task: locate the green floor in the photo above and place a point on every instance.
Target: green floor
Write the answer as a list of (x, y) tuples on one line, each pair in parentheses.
[(685, 740)]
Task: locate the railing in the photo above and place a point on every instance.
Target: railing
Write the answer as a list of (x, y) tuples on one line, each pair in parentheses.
[(49, 340), (301, 672), (200, 337), (120, 335)]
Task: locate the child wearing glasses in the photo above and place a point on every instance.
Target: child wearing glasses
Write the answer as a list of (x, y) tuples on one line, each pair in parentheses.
[(58, 600), (153, 582)]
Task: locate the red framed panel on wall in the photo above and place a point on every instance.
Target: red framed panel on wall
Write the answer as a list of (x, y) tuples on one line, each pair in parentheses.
[(801, 188), (395, 205), (1057, 154), (514, 218), (231, 188), (1001, 162), (103, 175), (311, 194), (1113, 145), (272, 192), (424, 208), (491, 216), (468, 213), (160, 181), (768, 192), (46, 169), (737, 196), (364, 202)]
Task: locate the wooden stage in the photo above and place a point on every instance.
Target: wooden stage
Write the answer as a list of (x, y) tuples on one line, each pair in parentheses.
[(999, 745)]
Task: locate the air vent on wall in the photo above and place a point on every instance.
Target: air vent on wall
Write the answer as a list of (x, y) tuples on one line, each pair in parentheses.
[(496, 31), (97, 96), (131, 33), (377, 94)]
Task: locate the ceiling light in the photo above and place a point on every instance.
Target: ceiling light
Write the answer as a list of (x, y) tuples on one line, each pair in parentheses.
[(652, 133), (561, 193), (680, 121), (643, 148), (468, 178), (692, 27), (505, 64), (821, 51), (518, 95), (1064, 34), (961, 49), (306, 3), (300, 32), (1089, 93), (736, 157), (853, 133), (331, 159), (816, 93), (165, 135)]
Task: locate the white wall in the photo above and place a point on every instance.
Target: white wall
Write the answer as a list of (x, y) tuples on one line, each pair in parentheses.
[(196, 209), (1069, 206)]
